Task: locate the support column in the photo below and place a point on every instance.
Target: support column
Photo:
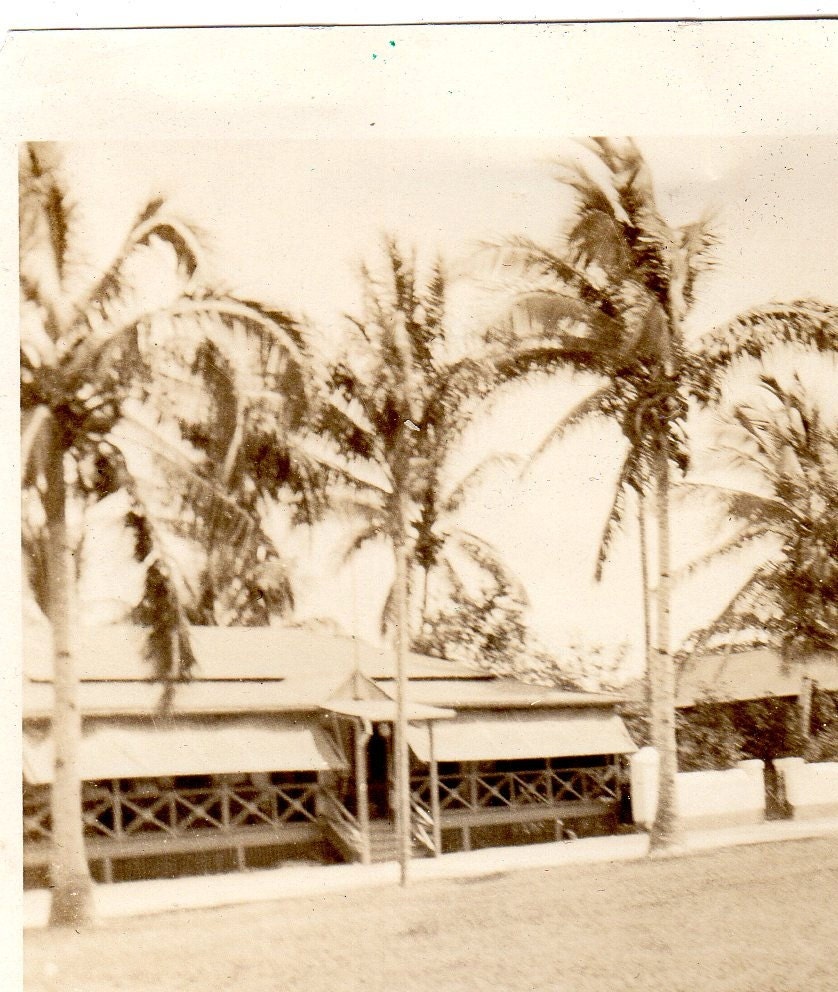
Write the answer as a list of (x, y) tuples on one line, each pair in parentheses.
[(362, 735), (435, 813)]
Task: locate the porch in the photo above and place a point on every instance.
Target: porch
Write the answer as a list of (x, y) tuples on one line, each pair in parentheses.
[(476, 780)]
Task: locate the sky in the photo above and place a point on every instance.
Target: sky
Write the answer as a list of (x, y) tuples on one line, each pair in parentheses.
[(295, 150)]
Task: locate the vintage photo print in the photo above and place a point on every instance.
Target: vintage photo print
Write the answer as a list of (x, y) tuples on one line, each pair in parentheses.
[(427, 503)]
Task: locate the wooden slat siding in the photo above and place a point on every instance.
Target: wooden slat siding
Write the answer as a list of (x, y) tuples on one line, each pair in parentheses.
[(150, 845)]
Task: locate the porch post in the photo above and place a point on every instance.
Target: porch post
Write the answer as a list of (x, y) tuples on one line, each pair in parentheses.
[(435, 815), (361, 790)]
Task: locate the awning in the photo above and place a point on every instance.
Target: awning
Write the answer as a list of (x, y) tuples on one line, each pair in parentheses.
[(122, 749), (499, 736)]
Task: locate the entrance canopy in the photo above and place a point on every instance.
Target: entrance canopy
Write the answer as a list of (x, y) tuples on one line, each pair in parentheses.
[(134, 749), (384, 710), (515, 735)]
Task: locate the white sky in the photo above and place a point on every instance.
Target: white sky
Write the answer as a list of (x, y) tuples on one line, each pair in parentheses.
[(295, 149)]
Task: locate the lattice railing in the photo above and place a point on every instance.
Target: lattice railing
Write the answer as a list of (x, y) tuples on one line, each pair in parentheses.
[(421, 824), (116, 812), (348, 829), (37, 816), (518, 788)]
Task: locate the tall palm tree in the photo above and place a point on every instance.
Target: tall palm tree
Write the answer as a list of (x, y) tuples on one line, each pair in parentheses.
[(94, 346), (788, 449), (611, 300), (399, 404)]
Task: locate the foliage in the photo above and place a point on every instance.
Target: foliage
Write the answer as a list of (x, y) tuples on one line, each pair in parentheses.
[(610, 300), (143, 363), (399, 405), (715, 731), (789, 446), (708, 738), (490, 631), (823, 744), (770, 728)]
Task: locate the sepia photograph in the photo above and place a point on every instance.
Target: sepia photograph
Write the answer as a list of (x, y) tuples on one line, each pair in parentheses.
[(423, 531)]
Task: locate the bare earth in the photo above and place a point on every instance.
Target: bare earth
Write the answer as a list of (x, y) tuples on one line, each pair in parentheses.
[(755, 919)]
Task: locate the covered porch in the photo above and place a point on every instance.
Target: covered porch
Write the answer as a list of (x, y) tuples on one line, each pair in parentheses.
[(477, 779)]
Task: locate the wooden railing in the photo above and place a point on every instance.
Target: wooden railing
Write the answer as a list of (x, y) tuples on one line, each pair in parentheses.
[(118, 813), (345, 828), (421, 825), (478, 789)]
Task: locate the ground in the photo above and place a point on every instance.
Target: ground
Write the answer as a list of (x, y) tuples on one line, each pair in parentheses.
[(756, 919)]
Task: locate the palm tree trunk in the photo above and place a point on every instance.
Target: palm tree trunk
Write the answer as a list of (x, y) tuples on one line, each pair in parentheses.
[(402, 768), (72, 886), (423, 619), (665, 829), (646, 604)]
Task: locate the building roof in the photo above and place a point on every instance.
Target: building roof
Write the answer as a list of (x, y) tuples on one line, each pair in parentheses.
[(117, 653), (496, 693), (753, 674), (266, 670)]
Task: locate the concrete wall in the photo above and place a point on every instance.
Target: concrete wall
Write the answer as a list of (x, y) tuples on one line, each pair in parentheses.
[(810, 790), (705, 800)]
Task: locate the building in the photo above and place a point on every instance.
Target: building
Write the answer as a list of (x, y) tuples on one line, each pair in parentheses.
[(281, 748), (756, 673)]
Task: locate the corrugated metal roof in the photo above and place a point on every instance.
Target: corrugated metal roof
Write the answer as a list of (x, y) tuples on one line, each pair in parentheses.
[(145, 749), (496, 694), (753, 674), (117, 652), (496, 736)]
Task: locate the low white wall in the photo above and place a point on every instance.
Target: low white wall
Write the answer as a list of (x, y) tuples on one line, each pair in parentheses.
[(810, 790), (703, 799)]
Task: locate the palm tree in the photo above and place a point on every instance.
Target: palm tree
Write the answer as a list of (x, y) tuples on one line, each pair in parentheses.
[(399, 403), (611, 300), (788, 449), (93, 347)]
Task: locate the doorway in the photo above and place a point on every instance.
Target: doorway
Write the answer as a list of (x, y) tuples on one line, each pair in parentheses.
[(378, 771)]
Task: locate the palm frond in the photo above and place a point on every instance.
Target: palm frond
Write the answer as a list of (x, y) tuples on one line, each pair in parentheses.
[(743, 504), (725, 620), (598, 402), (475, 478), (730, 546), (483, 554), (153, 221), (45, 220), (518, 257), (629, 477), (805, 322), (598, 239), (365, 535)]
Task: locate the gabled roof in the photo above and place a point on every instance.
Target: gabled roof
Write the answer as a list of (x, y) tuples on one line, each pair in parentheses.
[(239, 670), (753, 674), (253, 670)]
